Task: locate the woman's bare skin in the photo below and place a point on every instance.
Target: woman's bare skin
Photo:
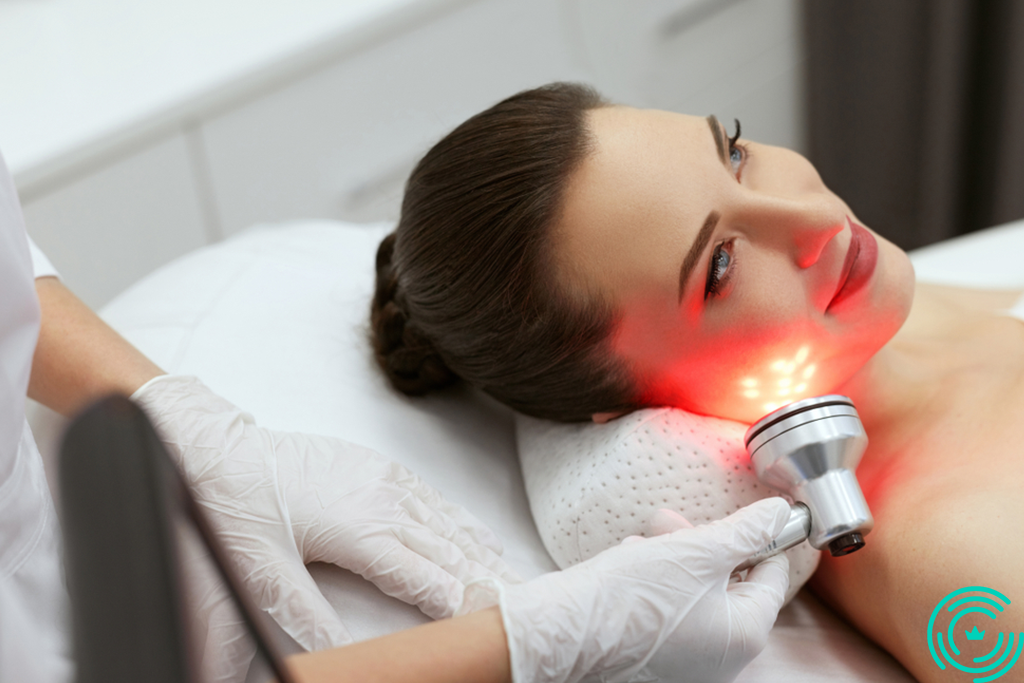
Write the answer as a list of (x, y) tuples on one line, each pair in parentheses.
[(944, 478)]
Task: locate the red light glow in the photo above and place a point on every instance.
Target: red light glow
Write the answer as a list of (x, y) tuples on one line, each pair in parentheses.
[(785, 381)]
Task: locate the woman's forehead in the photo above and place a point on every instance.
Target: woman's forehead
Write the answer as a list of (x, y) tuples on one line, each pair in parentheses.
[(637, 201)]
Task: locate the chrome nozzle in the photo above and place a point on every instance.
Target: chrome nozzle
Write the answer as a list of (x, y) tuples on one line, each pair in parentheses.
[(809, 450)]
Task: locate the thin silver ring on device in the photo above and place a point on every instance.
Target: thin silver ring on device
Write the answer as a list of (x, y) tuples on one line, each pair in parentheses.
[(794, 409)]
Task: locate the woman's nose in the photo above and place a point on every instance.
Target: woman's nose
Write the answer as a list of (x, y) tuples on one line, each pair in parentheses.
[(800, 226)]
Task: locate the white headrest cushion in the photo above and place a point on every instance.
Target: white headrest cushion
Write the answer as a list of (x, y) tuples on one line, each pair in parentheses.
[(591, 485)]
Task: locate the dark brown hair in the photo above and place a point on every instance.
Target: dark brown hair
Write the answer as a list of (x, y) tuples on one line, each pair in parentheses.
[(466, 284)]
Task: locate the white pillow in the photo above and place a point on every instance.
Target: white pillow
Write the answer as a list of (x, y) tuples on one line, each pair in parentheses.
[(591, 485)]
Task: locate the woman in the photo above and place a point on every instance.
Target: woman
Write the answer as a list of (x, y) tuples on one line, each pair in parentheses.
[(578, 260)]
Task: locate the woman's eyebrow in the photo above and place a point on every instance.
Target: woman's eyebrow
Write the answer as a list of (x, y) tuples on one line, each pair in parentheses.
[(696, 249), (716, 131)]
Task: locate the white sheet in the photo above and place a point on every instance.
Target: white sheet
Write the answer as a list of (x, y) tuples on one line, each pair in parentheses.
[(275, 320)]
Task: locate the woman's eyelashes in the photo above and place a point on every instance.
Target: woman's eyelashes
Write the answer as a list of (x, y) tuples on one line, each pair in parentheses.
[(723, 262)]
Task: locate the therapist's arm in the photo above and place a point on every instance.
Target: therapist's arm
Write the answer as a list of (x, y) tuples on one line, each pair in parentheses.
[(78, 357), (469, 649)]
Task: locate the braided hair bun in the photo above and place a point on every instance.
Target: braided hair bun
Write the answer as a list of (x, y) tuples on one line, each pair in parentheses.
[(408, 358)]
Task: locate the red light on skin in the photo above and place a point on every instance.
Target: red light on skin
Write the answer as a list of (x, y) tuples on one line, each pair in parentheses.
[(742, 380), (761, 345), (786, 380)]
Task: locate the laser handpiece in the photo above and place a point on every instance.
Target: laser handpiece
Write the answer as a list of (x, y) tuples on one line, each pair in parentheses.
[(809, 450)]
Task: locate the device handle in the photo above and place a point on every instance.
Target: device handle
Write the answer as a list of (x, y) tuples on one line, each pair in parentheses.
[(796, 531)]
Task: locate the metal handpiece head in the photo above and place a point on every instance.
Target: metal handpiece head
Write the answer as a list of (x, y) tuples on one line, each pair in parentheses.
[(809, 450)]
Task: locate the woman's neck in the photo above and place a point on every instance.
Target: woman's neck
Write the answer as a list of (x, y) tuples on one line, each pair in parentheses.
[(892, 387), (899, 386)]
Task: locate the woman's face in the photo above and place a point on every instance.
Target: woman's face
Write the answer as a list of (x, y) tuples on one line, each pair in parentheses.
[(741, 283)]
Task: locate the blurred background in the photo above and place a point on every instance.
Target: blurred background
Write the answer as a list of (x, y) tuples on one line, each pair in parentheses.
[(915, 112), (137, 132)]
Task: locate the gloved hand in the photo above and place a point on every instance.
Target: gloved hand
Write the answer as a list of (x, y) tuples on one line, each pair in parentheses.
[(281, 500), (607, 617)]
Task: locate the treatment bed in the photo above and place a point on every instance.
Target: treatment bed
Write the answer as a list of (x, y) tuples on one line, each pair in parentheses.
[(275, 320)]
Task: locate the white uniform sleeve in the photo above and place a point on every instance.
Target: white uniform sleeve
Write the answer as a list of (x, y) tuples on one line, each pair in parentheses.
[(34, 627), (41, 265)]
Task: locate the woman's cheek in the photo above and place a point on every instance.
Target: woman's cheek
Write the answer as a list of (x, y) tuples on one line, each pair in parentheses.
[(746, 376)]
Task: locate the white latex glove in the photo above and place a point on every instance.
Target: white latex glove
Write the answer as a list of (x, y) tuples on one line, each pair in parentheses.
[(605, 618), (666, 521), (281, 500)]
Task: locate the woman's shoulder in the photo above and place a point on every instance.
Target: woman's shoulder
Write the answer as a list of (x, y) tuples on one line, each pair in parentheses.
[(972, 299), (943, 311)]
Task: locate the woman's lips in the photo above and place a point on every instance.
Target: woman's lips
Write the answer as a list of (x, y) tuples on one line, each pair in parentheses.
[(859, 265)]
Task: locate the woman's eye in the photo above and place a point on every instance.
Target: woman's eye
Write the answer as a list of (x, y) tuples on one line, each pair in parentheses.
[(736, 158), (718, 270), (737, 152)]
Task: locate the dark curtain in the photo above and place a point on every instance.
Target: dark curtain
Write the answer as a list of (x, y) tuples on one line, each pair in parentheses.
[(916, 112)]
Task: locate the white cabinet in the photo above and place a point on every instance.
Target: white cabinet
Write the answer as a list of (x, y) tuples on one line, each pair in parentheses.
[(340, 142), (744, 62), (732, 58), (109, 228)]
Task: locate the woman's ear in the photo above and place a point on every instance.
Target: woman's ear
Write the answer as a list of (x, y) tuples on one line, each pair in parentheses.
[(602, 418)]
